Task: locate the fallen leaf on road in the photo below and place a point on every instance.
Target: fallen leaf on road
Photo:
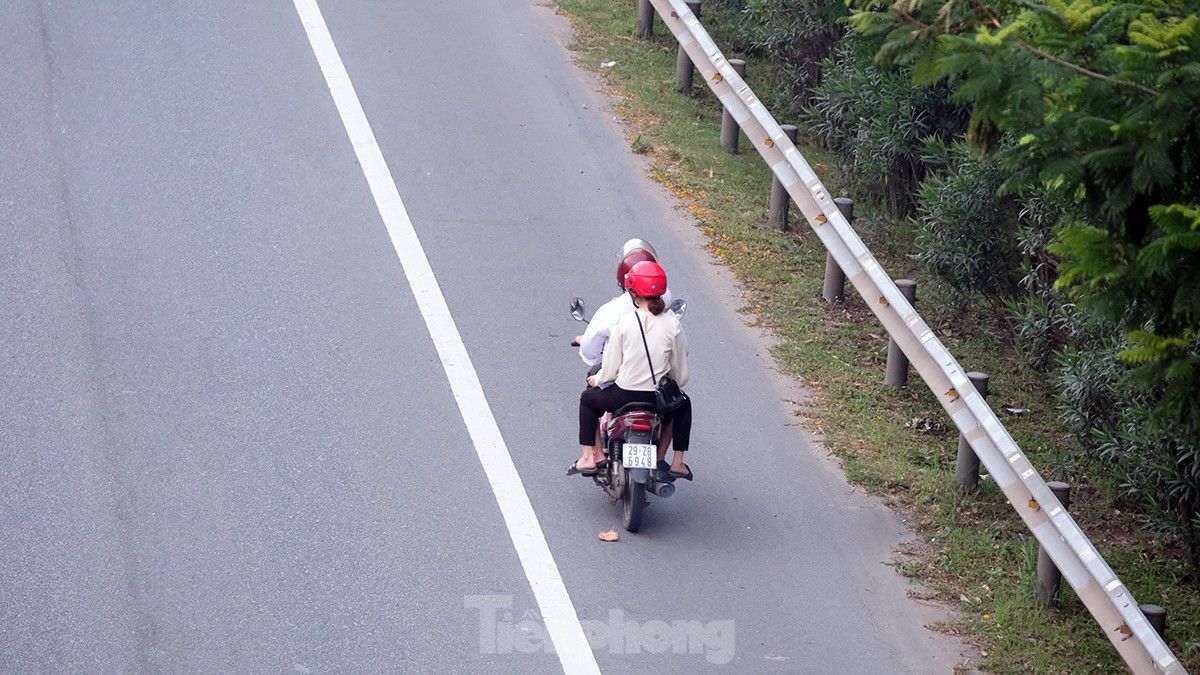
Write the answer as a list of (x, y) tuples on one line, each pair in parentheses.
[(611, 535)]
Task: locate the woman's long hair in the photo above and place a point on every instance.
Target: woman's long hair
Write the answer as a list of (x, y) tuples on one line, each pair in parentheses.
[(655, 302), (656, 305)]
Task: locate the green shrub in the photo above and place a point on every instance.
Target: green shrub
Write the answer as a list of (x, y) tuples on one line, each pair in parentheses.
[(1121, 423), (877, 121), (722, 6), (796, 36), (1156, 460), (966, 234), (1036, 331), (1086, 384), (1042, 315)]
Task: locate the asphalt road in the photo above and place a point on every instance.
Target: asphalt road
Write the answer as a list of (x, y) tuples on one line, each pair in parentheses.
[(227, 441)]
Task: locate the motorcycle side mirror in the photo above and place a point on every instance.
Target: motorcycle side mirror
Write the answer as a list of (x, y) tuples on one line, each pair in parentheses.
[(678, 308), (577, 309)]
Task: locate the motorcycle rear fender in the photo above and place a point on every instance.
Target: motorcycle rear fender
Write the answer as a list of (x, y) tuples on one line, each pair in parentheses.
[(639, 475), (621, 427)]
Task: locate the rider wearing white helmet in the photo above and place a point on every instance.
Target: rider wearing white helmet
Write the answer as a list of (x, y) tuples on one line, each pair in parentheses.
[(594, 339)]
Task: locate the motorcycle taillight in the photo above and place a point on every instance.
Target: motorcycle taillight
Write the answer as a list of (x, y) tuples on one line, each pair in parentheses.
[(640, 425)]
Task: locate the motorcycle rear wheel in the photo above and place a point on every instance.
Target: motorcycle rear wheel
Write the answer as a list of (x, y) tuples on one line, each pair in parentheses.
[(633, 501)]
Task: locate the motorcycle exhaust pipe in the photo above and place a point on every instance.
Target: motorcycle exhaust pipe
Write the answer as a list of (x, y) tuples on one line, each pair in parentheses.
[(663, 490)]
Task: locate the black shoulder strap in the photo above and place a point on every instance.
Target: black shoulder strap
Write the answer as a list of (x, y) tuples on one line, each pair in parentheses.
[(649, 360)]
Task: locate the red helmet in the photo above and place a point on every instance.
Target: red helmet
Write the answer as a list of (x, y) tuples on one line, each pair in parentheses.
[(646, 279), (634, 252)]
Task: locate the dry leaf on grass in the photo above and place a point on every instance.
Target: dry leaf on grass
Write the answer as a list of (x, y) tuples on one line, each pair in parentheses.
[(611, 535)]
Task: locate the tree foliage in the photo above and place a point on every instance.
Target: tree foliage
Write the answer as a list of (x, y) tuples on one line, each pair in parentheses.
[(1099, 103)]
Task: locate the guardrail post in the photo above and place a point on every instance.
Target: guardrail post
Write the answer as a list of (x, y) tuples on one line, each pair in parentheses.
[(966, 467), (897, 363), (778, 209), (645, 19), (1048, 576), (1157, 616), (684, 68), (835, 280), (729, 126)]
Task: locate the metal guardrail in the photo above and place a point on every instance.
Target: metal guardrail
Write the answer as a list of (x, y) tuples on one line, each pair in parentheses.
[(1112, 605)]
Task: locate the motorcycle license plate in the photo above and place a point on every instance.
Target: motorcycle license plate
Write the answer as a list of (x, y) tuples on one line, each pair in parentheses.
[(639, 456)]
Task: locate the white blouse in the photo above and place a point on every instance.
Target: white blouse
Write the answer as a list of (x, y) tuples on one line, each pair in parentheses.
[(625, 356)]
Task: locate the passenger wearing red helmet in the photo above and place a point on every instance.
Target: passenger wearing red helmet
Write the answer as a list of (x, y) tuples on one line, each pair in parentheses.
[(594, 339), (627, 364)]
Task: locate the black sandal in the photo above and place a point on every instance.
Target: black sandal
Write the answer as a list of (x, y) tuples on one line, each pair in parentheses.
[(571, 470), (685, 476)]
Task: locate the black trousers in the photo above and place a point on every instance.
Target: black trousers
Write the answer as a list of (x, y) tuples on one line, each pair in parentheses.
[(594, 401)]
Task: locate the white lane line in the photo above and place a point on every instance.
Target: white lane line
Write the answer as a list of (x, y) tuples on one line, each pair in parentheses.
[(555, 604)]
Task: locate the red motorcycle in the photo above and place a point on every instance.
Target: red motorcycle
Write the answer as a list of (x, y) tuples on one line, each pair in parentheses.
[(629, 437)]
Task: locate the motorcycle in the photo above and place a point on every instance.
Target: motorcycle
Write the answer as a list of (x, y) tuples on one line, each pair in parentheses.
[(630, 437)]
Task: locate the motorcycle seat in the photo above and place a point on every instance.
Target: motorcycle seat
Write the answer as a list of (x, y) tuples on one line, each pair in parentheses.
[(636, 405)]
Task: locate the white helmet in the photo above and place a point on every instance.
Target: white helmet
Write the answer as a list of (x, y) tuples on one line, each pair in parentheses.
[(634, 252), (635, 244)]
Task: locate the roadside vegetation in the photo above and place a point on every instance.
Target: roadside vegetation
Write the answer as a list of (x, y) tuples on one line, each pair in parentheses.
[(1035, 172)]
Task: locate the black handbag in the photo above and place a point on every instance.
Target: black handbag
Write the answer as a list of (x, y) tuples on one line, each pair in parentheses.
[(668, 397)]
